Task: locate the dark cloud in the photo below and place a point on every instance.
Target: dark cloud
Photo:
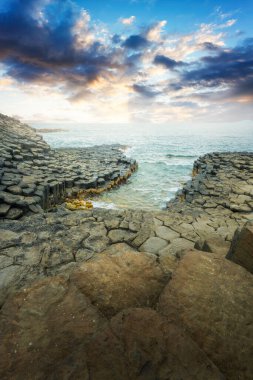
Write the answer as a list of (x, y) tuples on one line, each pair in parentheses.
[(145, 91), (37, 42), (210, 46), (132, 60), (135, 42), (116, 39), (167, 62), (184, 104), (230, 67), (26, 71)]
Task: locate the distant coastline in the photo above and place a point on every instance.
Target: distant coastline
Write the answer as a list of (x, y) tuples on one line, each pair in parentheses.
[(50, 130)]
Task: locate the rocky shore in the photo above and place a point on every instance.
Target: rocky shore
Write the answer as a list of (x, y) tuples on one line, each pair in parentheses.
[(221, 181), (34, 177), (122, 294)]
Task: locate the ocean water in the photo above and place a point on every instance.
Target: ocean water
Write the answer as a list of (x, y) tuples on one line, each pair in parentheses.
[(165, 155)]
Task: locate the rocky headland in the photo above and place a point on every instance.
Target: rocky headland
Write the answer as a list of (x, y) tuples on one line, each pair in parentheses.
[(122, 294)]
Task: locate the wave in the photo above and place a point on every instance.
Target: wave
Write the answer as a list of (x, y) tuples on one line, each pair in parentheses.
[(170, 155)]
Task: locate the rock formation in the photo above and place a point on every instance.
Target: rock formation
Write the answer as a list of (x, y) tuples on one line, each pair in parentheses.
[(34, 177), (241, 250), (122, 294)]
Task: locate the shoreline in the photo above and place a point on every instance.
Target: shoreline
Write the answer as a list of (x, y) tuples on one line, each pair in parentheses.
[(37, 177), (51, 130), (91, 276)]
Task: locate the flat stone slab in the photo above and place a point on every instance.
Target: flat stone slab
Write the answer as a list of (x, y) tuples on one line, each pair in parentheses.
[(166, 233), (154, 245)]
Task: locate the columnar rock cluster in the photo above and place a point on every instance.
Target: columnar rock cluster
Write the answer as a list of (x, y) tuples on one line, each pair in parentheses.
[(221, 181), (35, 177), (123, 294)]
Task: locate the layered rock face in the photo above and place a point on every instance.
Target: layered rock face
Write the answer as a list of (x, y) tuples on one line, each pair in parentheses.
[(35, 177), (123, 294)]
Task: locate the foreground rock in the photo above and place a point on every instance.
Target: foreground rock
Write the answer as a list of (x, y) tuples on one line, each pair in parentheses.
[(141, 344), (120, 278), (241, 251), (213, 299), (52, 330), (82, 327), (45, 330)]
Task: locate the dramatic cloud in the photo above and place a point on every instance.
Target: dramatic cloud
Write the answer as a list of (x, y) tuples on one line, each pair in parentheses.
[(37, 45), (146, 91), (116, 39), (232, 68), (135, 42), (154, 31), (53, 49), (210, 46), (167, 62)]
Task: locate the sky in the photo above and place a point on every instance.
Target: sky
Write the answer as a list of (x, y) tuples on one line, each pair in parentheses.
[(126, 61)]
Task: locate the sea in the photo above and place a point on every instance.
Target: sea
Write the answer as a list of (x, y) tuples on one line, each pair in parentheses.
[(165, 155)]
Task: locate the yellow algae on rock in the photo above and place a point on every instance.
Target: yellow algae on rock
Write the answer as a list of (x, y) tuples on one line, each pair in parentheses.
[(194, 172), (78, 204), (82, 203)]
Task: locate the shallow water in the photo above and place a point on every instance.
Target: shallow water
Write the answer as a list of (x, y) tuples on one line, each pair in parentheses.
[(165, 155)]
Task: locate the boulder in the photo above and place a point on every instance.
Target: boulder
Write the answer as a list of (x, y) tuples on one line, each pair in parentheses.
[(140, 344), (213, 299), (4, 208), (14, 213), (45, 330), (214, 245), (120, 278), (241, 250)]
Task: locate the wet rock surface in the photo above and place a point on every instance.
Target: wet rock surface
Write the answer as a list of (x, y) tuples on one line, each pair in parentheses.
[(122, 294)]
